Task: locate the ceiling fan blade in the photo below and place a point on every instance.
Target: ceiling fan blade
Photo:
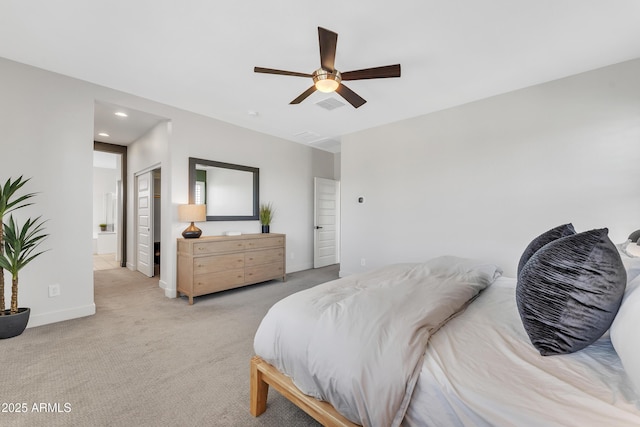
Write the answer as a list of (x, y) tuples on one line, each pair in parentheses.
[(281, 72), (351, 97), (328, 41), (373, 73), (304, 95)]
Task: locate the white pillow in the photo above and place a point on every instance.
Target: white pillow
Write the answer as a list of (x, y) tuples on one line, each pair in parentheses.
[(624, 332), (631, 262), (633, 250)]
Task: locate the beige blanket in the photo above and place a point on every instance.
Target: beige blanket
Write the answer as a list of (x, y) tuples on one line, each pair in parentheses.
[(358, 342)]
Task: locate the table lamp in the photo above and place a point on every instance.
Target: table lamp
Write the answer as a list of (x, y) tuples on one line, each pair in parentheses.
[(192, 213)]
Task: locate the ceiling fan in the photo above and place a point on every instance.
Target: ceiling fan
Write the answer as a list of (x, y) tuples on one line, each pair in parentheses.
[(328, 79)]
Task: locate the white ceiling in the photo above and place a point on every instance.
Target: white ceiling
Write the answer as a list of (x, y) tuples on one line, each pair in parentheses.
[(121, 130), (199, 55)]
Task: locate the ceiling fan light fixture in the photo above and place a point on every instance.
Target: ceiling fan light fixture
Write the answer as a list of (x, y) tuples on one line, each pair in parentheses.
[(327, 85), (326, 82)]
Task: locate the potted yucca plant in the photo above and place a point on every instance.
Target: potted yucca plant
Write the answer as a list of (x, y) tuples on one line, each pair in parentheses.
[(18, 246), (7, 205), (266, 216)]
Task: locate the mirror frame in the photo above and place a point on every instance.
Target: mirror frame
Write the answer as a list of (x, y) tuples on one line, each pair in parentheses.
[(256, 187)]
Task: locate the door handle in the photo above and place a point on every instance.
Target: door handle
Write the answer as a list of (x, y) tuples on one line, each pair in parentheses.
[(317, 227)]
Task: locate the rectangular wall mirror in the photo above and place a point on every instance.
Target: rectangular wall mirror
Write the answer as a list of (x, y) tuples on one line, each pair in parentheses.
[(229, 191)]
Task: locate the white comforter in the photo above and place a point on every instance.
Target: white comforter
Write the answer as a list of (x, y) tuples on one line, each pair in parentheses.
[(481, 370), (359, 342)]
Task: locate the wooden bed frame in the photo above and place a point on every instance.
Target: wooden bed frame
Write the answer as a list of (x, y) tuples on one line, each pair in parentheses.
[(264, 375)]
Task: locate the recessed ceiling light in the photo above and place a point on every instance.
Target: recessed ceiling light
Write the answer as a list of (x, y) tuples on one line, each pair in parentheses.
[(121, 114), (103, 134)]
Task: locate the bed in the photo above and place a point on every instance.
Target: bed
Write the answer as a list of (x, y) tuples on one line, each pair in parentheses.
[(476, 365)]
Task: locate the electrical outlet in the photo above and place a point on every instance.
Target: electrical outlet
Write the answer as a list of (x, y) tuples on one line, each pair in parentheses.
[(363, 262), (54, 290)]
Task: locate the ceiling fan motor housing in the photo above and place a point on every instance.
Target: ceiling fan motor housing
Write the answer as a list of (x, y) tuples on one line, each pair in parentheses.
[(325, 79)]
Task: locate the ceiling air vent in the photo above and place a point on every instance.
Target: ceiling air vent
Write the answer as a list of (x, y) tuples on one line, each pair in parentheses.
[(330, 104)]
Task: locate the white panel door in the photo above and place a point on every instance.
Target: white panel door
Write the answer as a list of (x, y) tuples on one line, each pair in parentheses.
[(325, 237), (144, 223)]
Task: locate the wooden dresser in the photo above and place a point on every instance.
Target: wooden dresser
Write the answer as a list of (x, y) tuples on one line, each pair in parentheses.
[(217, 263)]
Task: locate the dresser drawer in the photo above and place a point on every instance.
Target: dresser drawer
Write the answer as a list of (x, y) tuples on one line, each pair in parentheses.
[(265, 256), (269, 242), (264, 272), (214, 282), (206, 248), (217, 263)]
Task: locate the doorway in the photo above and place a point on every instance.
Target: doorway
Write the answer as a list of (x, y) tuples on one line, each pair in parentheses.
[(109, 209), (148, 221), (326, 211)]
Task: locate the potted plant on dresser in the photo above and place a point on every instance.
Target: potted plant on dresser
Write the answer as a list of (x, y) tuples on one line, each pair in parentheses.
[(18, 246), (266, 216)]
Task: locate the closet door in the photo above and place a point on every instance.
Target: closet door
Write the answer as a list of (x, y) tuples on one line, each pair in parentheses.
[(326, 214), (144, 223)]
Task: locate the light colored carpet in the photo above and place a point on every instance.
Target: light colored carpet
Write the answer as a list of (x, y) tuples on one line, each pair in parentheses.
[(144, 359)]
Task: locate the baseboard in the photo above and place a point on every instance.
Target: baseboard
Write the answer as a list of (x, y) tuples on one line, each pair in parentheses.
[(131, 266), (62, 315), (169, 293), (292, 268), (343, 273)]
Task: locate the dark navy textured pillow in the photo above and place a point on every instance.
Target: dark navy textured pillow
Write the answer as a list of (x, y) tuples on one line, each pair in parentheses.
[(543, 239), (569, 292)]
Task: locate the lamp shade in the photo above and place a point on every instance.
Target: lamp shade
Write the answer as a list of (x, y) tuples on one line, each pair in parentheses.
[(192, 213)]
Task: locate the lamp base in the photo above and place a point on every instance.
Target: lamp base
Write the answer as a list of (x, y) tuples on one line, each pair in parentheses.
[(192, 232)]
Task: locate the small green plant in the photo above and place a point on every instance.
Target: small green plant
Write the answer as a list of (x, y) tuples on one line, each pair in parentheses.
[(19, 246), (266, 213)]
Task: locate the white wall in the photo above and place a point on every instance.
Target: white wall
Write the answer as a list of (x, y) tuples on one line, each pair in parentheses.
[(286, 178), (47, 134), (149, 152), (47, 124), (483, 179)]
